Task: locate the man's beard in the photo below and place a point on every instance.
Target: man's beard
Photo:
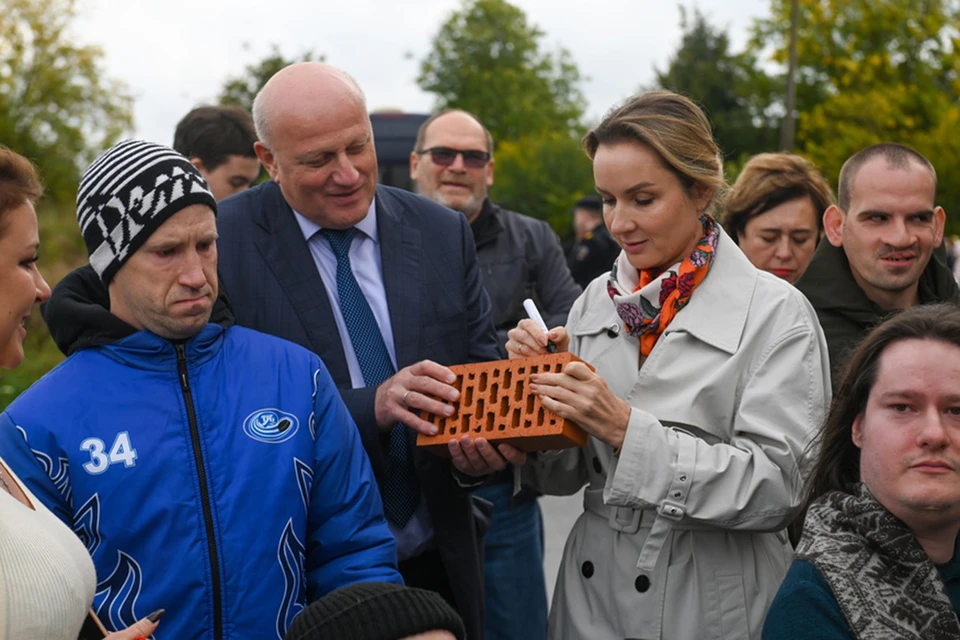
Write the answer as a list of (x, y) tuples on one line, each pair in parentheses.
[(469, 206)]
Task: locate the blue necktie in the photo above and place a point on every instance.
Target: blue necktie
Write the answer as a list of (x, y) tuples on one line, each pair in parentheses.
[(401, 489)]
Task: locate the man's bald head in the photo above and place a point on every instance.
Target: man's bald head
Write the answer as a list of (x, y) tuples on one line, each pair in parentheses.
[(461, 183), (316, 143), (300, 87), (896, 156)]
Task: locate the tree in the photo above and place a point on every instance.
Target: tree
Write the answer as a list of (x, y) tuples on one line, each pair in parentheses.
[(241, 90), (542, 176), (57, 105), (871, 71), (731, 88), (853, 45), (487, 59)]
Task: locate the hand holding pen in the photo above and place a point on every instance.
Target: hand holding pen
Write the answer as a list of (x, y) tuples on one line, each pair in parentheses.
[(534, 314), (531, 337)]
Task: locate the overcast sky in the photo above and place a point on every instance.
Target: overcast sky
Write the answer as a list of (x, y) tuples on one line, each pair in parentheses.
[(176, 54)]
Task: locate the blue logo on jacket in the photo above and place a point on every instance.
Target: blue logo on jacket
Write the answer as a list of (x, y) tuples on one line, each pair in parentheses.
[(271, 425)]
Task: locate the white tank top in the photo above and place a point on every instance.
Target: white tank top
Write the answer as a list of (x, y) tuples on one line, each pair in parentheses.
[(47, 579)]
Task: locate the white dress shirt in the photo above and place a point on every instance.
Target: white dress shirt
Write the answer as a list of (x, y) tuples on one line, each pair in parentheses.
[(417, 535)]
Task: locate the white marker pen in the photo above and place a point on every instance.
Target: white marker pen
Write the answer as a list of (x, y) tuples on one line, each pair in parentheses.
[(534, 314)]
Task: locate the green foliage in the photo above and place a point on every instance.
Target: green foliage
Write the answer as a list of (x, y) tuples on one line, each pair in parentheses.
[(854, 45), (242, 89), (487, 59), (542, 176), (58, 108), (731, 88), (871, 71)]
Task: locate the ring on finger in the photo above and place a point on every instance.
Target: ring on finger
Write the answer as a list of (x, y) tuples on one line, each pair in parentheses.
[(404, 398)]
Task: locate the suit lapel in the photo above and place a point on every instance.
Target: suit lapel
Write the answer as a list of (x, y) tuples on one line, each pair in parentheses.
[(285, 251), (400, 257)]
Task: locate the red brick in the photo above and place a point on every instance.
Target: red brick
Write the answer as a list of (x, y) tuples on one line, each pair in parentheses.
[(496, 404)]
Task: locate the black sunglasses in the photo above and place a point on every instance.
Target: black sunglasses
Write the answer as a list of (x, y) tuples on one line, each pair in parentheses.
[(445, 156)]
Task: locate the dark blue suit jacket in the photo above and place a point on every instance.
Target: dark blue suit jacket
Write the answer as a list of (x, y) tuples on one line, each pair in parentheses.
[(438, 309)]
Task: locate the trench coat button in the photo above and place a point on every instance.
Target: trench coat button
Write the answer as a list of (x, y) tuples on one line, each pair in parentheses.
[(587, 569), (596, 465), (642, 583)]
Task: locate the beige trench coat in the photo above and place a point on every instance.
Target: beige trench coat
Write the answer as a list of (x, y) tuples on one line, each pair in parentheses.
[(682, 536)]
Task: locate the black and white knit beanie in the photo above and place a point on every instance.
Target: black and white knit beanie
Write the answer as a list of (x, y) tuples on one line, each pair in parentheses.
[(127, 193), (375, 611)]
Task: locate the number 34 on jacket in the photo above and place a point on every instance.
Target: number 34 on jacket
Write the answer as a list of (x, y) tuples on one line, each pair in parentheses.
[(121, 452)]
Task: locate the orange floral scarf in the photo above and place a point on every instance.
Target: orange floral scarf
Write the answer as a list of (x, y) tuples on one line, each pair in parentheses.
[(662, 293)]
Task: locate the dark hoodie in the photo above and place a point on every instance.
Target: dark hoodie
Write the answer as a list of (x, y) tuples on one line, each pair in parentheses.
[(846, 313), (78, 313)]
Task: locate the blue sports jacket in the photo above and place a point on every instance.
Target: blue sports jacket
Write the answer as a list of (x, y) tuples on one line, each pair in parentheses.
[(221, 479)]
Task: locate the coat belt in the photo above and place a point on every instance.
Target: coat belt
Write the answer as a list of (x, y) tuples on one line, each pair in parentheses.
[(629, 520)]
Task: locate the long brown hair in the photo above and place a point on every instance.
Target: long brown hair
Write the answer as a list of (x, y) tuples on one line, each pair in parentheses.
[(837, 463)]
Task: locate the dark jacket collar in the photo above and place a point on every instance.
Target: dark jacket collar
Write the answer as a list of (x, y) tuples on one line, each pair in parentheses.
[(286, 251), (78, 313), (828, 283), (487, 226)]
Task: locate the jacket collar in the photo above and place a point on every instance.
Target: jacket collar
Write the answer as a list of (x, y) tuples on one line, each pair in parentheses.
[(401, 251), (717, 311), (487, 226), (829, 284), (78, 312), (146, 350), (286, 253)]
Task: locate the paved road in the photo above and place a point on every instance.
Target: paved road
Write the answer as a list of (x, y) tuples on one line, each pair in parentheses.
[(559, 514)]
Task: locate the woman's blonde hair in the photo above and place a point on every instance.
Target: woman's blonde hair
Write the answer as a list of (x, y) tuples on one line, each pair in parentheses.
[(768, 180), (674, 127)]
